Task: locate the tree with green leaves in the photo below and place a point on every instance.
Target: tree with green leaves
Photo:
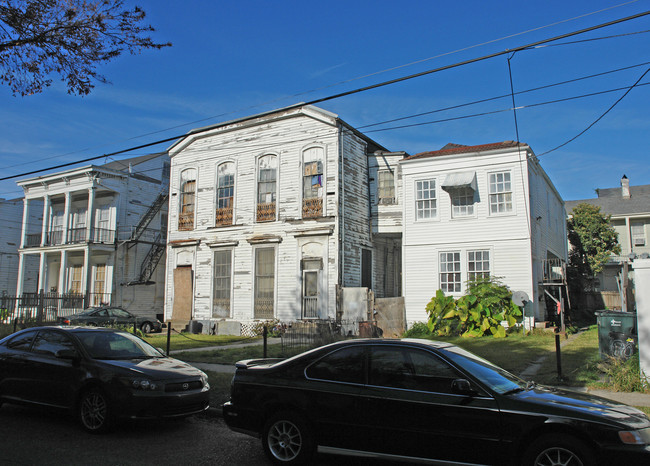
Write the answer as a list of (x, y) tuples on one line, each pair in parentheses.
[(39, 38), (593, 240)]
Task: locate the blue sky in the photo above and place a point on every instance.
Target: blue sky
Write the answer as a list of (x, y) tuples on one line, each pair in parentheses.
[(232, 59)]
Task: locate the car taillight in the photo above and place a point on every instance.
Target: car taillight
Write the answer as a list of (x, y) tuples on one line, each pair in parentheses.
[(66, 321)]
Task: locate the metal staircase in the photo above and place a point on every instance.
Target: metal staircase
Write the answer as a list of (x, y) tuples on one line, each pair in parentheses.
[(147, 217), (150, 262)]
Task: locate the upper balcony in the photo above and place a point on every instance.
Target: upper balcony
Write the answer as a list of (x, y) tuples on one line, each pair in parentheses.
[(74, 236)]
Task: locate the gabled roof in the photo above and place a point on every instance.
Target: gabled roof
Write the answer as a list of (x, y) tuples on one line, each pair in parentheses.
[(123, 164), (455, 149), (611, 201)]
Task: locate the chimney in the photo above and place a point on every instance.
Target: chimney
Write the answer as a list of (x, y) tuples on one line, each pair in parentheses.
[(625, 187)]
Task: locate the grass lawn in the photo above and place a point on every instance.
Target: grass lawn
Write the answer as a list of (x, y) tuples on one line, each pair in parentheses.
[(179, 341), (232, 355)]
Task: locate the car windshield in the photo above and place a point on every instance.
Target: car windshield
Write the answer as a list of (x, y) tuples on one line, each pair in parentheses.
[(116, 345), (497, 379)]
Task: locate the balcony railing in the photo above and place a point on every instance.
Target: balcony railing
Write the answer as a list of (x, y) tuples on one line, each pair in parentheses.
[(310, 307), (312, 208), (266, 212), (54, 238), (186, 221), (223, 216), (103, 235), (33, 240), (76, 235)]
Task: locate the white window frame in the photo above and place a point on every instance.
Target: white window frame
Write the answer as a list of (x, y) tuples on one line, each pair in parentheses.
[(229, 253), (426, 204), (187, 175), (258, 182), (501, 193), (444, 273), (218, 187), (313, 154), (386, 194), (474, 263), (275, 278), (460, 209)]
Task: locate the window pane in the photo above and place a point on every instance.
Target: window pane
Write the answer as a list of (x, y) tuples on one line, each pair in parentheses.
[(221, 284), (264, 282), (425, 203), (386, 185), (500, 192), (344, 365), (450, 278), (478, 265), (462, 201)]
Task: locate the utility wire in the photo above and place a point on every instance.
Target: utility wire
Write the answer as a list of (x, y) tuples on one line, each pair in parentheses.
[(599, 118), (362, 89)]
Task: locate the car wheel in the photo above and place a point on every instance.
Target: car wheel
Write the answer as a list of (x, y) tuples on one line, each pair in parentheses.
[(287, 439), (146, 327), (562, 450), (94, 411)]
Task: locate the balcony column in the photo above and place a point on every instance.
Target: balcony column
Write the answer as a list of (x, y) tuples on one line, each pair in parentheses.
[(46, 220), (41, 272), (90, 214), (23, 237), (21, 272), (85, 286), (62, 270), (66, 217)]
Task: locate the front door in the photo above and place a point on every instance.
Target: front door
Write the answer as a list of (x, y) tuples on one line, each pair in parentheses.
[(183, 292)]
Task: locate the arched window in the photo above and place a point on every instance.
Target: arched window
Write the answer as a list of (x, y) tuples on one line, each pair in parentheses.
[(187, 200), (267, 168), (225, 193), (312, 182)]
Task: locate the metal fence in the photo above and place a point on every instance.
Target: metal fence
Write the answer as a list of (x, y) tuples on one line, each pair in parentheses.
[(47, 307), (313, 333)]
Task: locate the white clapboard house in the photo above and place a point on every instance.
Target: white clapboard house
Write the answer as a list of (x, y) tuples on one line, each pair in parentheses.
[(100, 235), (471, 211), (271, 215)]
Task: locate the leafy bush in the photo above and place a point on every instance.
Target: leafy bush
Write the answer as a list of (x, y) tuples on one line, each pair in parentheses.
[(480, 312), (418, 330)]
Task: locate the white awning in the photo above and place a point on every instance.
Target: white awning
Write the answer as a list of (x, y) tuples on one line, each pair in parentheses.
[(460, 180)]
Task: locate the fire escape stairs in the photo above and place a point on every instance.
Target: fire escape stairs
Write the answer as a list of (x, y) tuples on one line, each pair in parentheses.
[(147, 218), (150, 262)]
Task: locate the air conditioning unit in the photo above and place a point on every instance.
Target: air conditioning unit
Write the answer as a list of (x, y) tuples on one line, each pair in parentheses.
[(639, 241), (387, 200)]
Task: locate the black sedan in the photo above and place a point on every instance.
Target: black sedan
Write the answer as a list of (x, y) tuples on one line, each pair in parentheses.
[(418, 400), (111, 316), (101, 375)]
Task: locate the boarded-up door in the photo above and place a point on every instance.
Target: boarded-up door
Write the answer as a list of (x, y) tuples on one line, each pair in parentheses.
[(182, 309)]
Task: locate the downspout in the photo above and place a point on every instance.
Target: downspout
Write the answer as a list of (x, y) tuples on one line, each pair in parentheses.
[(341, 192)]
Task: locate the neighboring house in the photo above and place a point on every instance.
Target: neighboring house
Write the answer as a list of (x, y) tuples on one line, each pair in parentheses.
[(11, 214), (629, 208), (100, 236), (271, 215), (476, 211)]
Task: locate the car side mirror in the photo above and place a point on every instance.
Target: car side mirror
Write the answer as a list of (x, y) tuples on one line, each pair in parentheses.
[(462, 387)]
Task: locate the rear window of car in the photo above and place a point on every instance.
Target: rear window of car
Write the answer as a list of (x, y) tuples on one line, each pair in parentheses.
[(344, 365), (22, 342)]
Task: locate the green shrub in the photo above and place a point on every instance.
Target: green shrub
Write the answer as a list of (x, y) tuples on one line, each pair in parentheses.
[(478, 313), (418, 330)]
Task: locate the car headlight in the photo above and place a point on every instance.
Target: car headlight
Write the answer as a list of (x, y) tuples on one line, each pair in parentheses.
[(204, 380), (140, 384)]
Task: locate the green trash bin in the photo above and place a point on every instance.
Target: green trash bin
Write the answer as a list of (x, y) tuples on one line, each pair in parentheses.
[(617, 334)]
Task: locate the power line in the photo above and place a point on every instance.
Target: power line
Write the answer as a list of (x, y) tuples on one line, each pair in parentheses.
[(293, 96), (364, 89)]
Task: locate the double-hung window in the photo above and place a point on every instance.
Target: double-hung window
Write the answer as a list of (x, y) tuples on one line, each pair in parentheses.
[(450, 277), (386, 187), (312, 182), (500, 192), (478, 265), (462, 202), (638, 234), (264, 283), (225, 193), (266, 187), (425, 199), (187, 201), (221, 283)]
